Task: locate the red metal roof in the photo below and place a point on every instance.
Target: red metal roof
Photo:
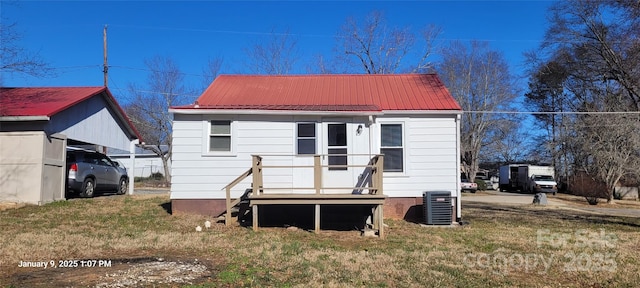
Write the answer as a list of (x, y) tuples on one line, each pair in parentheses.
[(327, 93), (42, 101), (48, 101)]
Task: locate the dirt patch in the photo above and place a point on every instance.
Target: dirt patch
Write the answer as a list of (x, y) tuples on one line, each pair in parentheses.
[(10, 205), (134, 272)]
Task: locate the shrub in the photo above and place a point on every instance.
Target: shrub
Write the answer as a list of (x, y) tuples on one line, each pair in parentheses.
[(481, 184), (156, 176), (588, 187)]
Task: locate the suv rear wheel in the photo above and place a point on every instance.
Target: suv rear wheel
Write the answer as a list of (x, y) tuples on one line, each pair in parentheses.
[(88, 188), (123, 187)]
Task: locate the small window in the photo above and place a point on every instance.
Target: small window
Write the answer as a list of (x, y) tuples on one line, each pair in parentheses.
[(392, 147), (337, 136), (220, 136), (306, 138)]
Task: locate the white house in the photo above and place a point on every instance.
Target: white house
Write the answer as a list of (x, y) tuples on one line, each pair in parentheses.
[(411, 119)]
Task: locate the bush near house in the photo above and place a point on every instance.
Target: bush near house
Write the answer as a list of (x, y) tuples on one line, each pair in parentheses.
[(587, 186), (481, 184), (154, 180)]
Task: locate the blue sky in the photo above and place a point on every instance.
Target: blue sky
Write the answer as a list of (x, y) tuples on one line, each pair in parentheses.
[(69, 34)]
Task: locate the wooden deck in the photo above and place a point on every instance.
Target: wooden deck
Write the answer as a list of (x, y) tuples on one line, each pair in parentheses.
[(370, 195)]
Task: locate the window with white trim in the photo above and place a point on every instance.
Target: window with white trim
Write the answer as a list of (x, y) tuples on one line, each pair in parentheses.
[(306, 138), (392, 147), (220, 136)]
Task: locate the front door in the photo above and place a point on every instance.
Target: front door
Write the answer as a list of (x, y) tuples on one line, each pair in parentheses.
[(345, 143)]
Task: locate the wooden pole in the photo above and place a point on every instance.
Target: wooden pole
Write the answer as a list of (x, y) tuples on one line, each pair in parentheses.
[(105, 66), (227, 216), (317, 173)]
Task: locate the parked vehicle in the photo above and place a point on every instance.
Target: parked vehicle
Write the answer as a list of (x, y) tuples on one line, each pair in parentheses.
[(89, 172), (466, 185), (528, 178)]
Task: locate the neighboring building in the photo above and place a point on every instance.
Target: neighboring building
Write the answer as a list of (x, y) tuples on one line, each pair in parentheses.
[(36, 126), (146, 161), (412, 119)]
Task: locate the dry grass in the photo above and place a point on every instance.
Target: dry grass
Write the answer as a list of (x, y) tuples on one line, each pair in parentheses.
[(412, 255)]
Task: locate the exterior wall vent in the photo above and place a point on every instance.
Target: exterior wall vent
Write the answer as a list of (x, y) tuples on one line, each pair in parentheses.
[(437, 207)]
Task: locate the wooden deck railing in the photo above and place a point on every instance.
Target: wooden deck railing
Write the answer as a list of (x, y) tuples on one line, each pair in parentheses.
[(229, 204), (371, 174)]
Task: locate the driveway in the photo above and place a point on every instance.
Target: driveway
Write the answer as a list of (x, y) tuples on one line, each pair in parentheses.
[(624, 208)]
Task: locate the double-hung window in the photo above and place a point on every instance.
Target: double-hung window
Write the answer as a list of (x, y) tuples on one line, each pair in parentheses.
[(306, 138), (220, 136), (392, 147)]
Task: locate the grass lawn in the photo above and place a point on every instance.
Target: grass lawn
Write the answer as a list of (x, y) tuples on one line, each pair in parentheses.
[(502, 246)]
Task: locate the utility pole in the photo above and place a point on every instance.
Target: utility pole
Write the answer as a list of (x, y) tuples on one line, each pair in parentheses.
[(105, 67)]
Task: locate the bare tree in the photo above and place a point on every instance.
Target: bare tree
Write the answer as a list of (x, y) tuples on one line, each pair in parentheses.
[(547, 93), (149, 107), (507, 142), (375, 48), (594, 45), (276, 56), (604, 35), (479, 79), (211, 71), (611, 148), (14, 58), (321, 65)]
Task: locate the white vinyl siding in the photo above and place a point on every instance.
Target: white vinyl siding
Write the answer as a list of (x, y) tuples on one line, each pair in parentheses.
[(429, 153), (200, 174), (430, 161)]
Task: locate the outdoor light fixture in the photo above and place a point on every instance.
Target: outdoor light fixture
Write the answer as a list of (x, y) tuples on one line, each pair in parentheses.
[(359, 130)]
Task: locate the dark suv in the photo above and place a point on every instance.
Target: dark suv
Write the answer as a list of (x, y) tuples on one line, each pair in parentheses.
[(90, 171)]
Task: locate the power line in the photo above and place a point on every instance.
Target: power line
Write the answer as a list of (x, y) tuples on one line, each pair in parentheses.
[(557, 113), (339, 36), (226, 31), (150, 70), (153, 92)]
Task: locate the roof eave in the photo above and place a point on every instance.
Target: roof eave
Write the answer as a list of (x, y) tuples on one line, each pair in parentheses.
[(24, 118), (200, 111), (421, 112)]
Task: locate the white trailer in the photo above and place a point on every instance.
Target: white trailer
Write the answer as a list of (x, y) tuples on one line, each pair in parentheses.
[(528, 178)]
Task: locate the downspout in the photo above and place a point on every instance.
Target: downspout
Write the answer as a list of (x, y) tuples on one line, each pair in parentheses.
[(459, 195)]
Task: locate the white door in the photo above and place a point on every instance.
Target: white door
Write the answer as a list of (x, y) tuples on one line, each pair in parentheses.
[(344, 143)]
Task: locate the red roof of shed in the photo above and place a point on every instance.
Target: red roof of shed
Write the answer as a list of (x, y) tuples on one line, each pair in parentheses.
[(327, 93), (48, 101), (42, 101)]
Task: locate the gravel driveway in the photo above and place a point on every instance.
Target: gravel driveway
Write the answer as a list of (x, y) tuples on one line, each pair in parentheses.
[(148, 191), (624, 208)]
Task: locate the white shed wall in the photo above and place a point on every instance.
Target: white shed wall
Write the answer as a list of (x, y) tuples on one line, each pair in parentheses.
[(90, 121), (31, 167)]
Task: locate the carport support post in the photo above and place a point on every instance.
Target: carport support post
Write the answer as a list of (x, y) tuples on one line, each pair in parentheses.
[(132, 157)]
